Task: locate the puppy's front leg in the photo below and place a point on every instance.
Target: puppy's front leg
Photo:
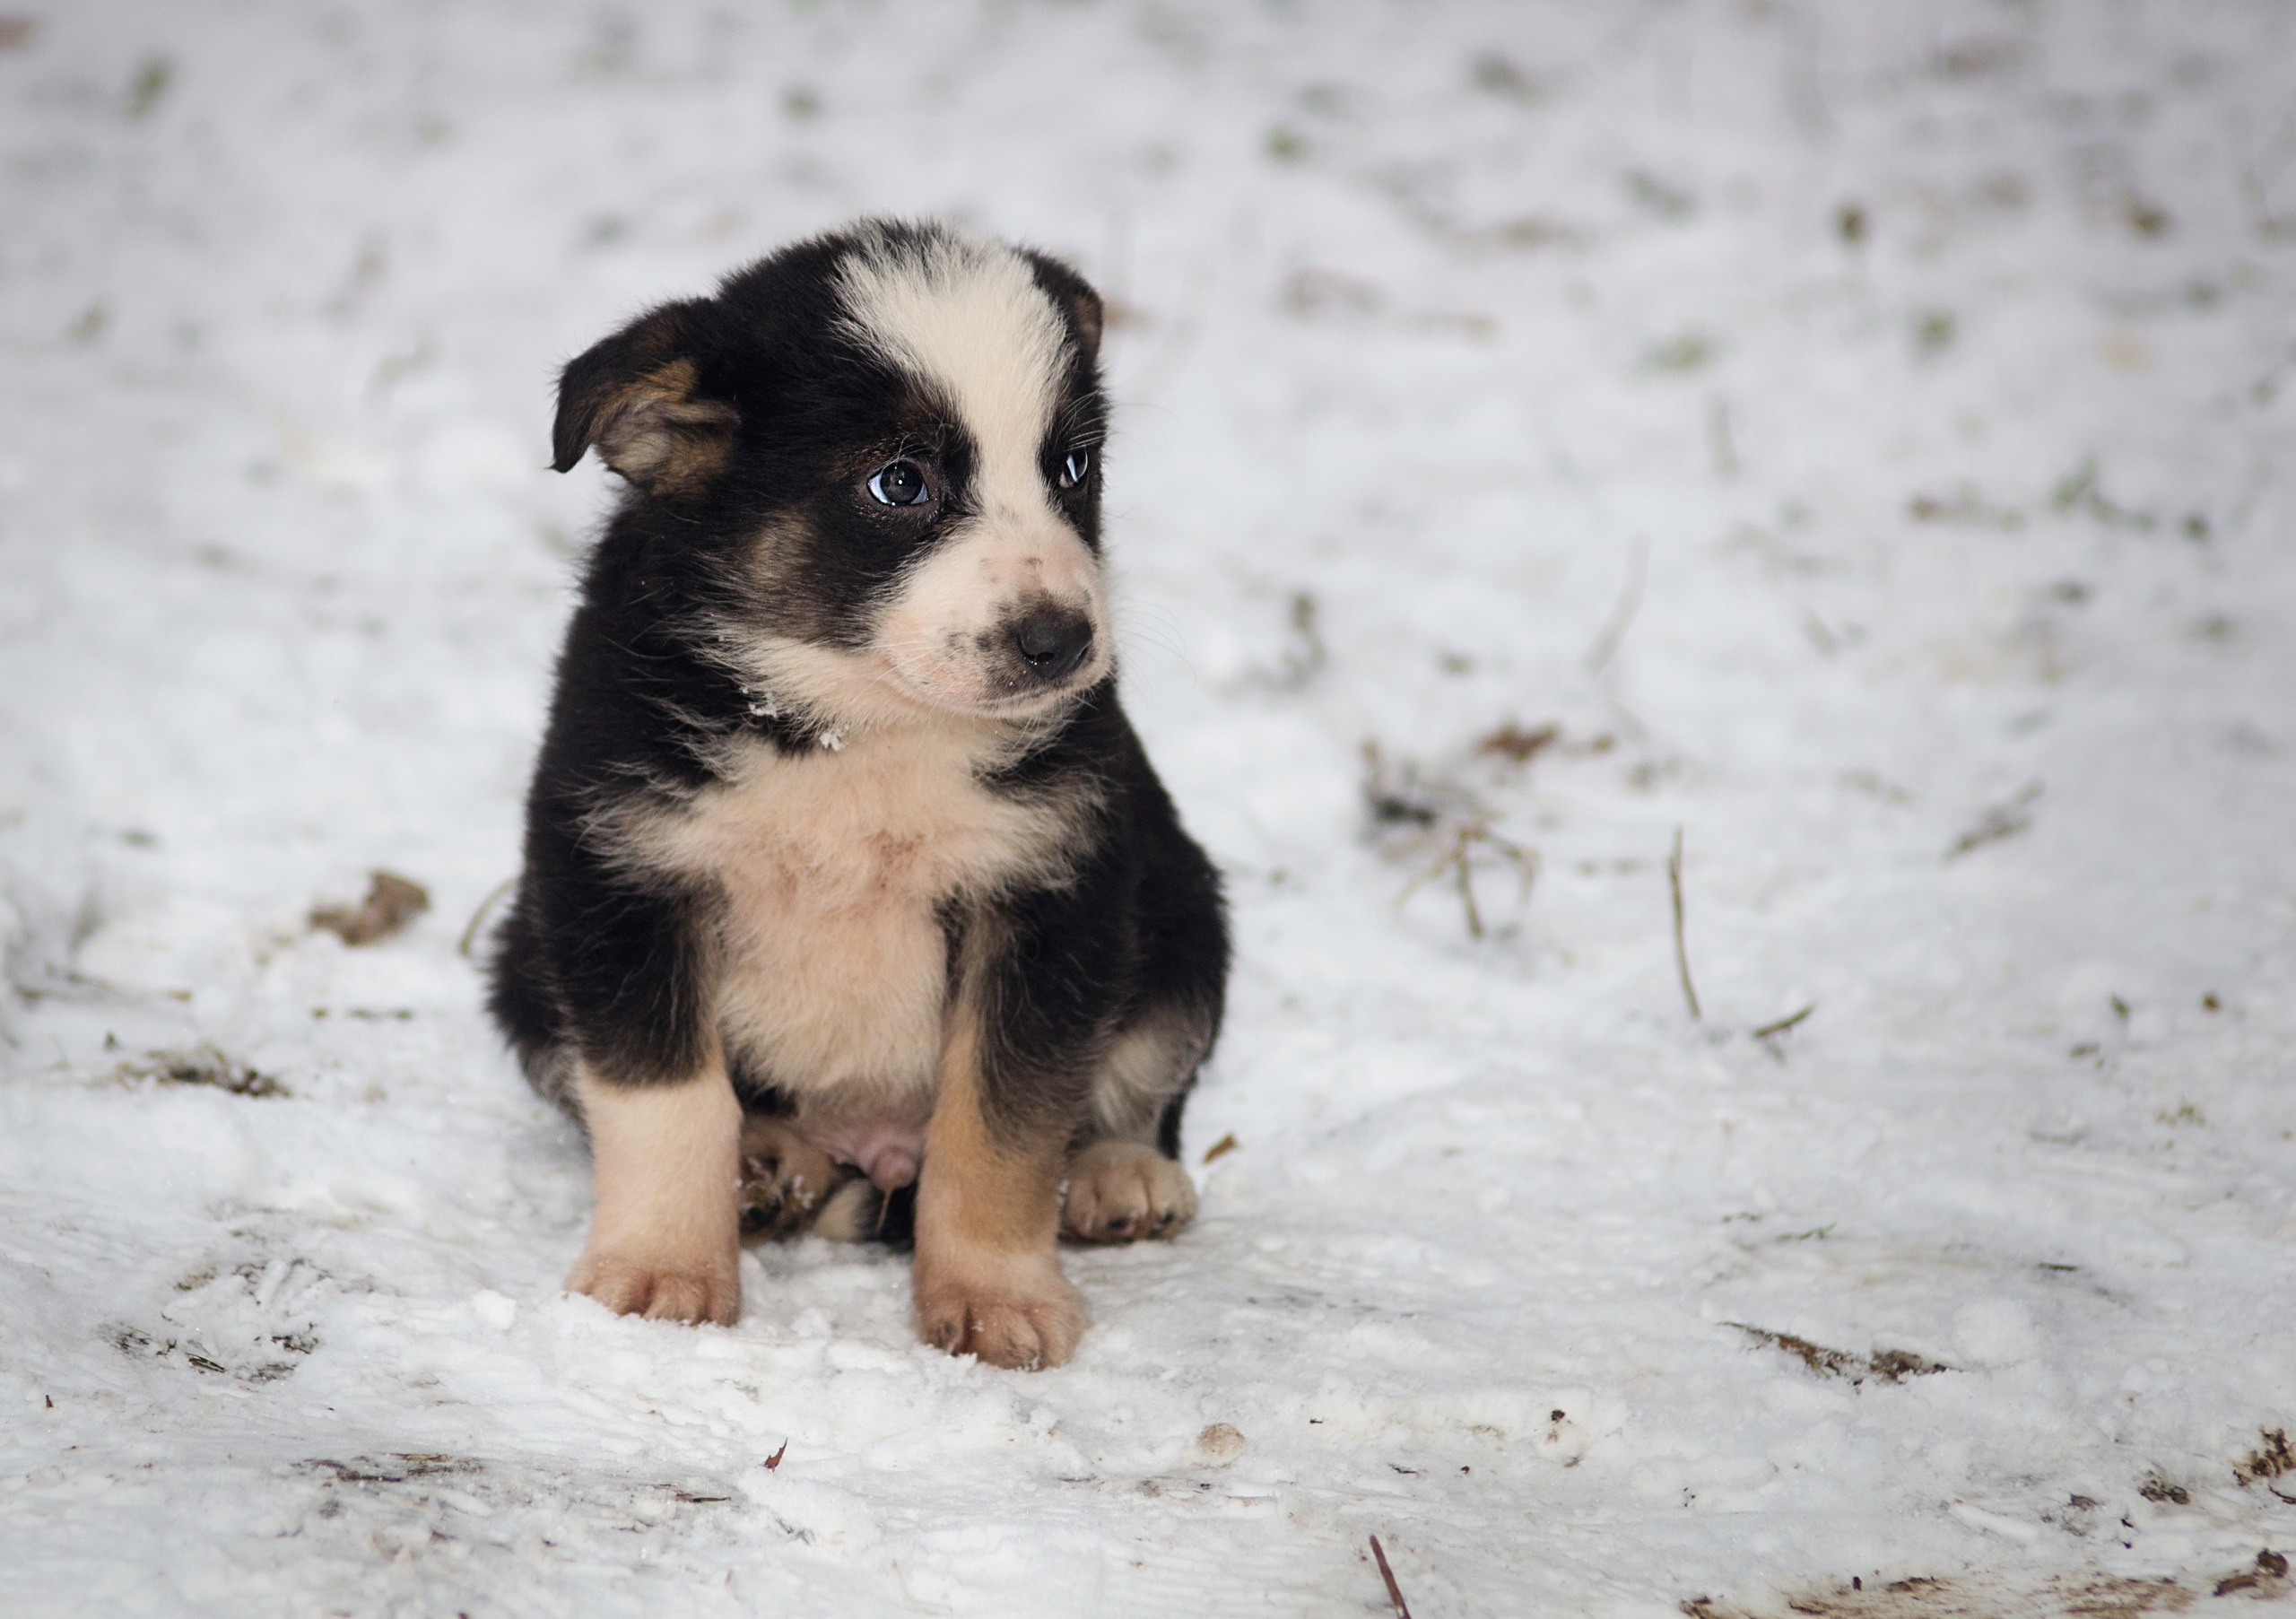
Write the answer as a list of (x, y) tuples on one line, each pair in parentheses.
[(987, 1268), (665, 1240)]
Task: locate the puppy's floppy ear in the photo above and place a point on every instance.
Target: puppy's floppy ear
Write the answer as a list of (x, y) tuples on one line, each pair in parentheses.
[(1077, 300), (637, 397)]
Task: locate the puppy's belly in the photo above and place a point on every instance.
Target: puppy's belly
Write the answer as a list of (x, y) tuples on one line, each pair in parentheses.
[(840, 1007)]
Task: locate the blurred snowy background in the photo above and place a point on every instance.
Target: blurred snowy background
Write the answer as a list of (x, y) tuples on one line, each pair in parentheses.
[(1856, 435)]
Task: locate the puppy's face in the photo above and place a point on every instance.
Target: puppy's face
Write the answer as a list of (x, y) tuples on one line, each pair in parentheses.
[(890, 440)]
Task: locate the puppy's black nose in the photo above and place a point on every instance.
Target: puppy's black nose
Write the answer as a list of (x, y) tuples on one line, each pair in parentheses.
[(1052, 641)]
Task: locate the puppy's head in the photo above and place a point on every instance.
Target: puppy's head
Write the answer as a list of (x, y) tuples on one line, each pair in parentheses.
[(884, 444)]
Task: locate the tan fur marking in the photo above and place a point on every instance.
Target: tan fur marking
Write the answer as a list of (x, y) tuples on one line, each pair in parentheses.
[(987, 1270), (850, 1214), (663, 1241), (786, 1180), (1120, 1191), (969, 318), (827, 687), (1144, 1065), (658, 436), (968, 586), (833, 974)]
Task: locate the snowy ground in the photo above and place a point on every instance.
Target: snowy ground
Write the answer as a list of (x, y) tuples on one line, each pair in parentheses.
[(1863, 430)]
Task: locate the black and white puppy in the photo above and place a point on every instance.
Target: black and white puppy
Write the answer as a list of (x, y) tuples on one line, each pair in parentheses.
[(843, 867)]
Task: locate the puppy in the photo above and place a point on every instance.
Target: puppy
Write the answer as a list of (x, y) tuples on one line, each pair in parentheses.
[(842, 861)]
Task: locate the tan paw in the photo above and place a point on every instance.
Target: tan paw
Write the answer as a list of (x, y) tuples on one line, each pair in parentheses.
[(660, 1291), (1031, 1326), (787, 1181), (1120, 1191)]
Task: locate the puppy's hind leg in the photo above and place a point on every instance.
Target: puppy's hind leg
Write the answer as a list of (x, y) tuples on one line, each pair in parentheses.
[(1120, 1191), (1121, 1185), (790, 1187), (664, 1241)]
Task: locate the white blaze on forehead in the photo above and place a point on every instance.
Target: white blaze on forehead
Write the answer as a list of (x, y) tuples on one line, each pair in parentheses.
[(967, 320), (967, 317)]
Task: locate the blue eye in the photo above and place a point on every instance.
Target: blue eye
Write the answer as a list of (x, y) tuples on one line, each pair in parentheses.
[(1076, 468), (900, 483)]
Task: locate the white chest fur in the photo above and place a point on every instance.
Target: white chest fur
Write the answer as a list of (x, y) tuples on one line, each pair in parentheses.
[(836, 869)]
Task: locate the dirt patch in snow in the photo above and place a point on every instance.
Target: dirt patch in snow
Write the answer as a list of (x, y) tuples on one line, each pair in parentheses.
[(1890, 1365), (202, 1066), (2080, 1596), (2067, 1596)]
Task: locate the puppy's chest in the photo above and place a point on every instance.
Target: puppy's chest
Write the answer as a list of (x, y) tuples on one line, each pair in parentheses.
[(837, 870)]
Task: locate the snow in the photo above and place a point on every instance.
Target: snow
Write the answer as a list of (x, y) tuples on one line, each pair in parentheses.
[(1897, 393)]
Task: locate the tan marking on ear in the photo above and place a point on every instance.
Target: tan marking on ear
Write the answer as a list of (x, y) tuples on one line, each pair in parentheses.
[(987, 1270), (654, 432), (1120, 1191), (664, 1239)]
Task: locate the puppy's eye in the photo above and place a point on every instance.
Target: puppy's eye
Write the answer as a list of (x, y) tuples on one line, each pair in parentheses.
[(900, 483), (1076, 468)]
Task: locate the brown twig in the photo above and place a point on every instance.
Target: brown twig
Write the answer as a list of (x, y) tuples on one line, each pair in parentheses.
[(1517, 745), (1458, 859), (1467, 888), (1411, 816), (1394, 1591), (1681, 954)]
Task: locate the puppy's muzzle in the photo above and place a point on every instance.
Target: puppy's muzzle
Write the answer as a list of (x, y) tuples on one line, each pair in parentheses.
[(1052, 643)]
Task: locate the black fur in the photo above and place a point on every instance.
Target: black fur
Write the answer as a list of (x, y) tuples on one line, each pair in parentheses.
[(758, 414)]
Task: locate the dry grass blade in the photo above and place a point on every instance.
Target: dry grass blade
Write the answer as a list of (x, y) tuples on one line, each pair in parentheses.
[(1444, 824), (1458, 858), (1394, 1591), (1306, 656), (1622, 615), (2002, 821), (478, 918), (1681, 953), (1517, 745), (1789, 1021)]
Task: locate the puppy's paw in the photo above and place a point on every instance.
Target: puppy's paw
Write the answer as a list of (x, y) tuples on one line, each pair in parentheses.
[(1120, 1191), (1028, 1324), (688, 1291), (788, 1183)]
